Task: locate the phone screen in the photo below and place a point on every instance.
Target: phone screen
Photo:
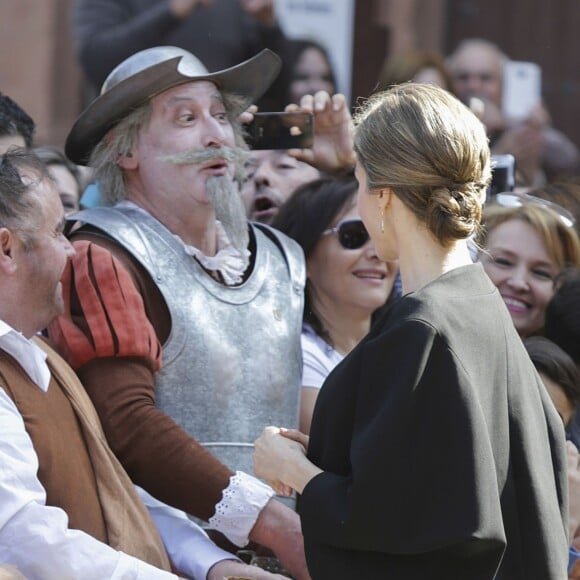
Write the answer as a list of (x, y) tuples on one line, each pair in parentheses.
[(280, 131)]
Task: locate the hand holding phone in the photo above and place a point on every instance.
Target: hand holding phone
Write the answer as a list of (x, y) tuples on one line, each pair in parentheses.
[(280, 130)]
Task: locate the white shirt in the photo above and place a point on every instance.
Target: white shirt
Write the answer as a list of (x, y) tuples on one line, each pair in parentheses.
[(35, 537), (318, 358)]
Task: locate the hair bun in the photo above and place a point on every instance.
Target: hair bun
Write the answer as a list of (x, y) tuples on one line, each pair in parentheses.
[(454, 212)]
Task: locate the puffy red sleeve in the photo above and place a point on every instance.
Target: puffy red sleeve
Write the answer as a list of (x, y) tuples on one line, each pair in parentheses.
[(111, 318)]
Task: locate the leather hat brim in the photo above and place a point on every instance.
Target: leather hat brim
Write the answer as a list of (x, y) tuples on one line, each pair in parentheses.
[(249, 79)]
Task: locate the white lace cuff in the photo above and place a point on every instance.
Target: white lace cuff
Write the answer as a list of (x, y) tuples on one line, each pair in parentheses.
[(241, 504)]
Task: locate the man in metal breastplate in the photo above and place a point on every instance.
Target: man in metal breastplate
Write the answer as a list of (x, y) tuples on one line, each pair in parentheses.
[(182, 319)]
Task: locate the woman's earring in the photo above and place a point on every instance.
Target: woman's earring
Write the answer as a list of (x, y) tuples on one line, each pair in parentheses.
[(382, 220)]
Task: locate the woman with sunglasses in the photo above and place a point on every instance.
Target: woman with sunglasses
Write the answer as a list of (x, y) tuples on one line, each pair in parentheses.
[(435, 451), (346, 282), (526, 242)]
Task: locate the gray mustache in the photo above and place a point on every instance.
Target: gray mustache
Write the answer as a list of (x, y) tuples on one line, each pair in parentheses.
[(199, 156)]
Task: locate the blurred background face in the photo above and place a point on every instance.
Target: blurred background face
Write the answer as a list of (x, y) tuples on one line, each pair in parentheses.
[(477, 72), (311, 73), (518, 263), (350, 279), (271, 178), (67, 186)]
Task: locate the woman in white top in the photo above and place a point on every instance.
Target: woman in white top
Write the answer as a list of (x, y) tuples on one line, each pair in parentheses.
[(346, 281)]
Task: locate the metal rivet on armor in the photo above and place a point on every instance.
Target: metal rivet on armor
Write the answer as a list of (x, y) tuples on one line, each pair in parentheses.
[(159, 278), (297, 288), (277, 314)]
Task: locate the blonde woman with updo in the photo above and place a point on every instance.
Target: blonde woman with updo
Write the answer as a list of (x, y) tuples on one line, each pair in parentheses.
[(434, 450)]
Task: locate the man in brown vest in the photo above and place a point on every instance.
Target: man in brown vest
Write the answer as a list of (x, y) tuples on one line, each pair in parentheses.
[(67, 507)]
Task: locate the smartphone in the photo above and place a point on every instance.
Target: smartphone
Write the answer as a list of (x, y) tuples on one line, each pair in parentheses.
[(280, 131), (522, 89), (503, 174)]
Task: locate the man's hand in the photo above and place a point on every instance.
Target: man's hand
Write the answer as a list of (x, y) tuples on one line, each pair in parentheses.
[(526, 143), (227, 568), (262, 10), (278, 528), (332, 150)]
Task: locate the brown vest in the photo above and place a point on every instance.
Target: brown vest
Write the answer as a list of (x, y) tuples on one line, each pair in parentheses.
[(76, 466)]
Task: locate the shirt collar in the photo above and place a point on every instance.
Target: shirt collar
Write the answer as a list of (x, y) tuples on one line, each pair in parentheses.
[(28, 355)]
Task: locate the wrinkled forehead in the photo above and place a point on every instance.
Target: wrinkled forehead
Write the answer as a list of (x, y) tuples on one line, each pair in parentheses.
[(195, 91)]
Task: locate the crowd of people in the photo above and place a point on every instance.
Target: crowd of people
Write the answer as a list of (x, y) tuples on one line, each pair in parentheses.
[(349, 358)]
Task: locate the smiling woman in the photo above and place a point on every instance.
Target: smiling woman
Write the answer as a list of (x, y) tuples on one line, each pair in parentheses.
[(525, 246)]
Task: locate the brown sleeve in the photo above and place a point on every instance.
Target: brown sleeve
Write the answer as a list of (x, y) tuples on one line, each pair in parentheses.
[(110, 339), (158, 454)]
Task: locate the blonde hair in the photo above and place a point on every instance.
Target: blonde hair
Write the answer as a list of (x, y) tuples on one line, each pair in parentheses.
[(424, 144), (561, 242)]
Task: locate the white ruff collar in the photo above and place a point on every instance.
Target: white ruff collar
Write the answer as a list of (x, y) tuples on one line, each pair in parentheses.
[(228, 261)]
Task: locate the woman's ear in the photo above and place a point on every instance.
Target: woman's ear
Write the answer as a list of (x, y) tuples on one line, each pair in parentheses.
[(384, 198)]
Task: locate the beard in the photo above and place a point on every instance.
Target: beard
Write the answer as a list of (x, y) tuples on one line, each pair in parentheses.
[(223, 192), (229, 209)]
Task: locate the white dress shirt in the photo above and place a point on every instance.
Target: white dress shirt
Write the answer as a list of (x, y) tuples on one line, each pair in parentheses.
[(36, 537)]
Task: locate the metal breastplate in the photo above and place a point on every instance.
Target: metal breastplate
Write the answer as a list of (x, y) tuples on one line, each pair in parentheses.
[(232, 363)]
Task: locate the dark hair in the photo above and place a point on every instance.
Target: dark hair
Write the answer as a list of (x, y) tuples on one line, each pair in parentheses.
[(305, 215), (312, 209), (562, 322), (17, 206), (293, 51), (556, 364), (15, 121)]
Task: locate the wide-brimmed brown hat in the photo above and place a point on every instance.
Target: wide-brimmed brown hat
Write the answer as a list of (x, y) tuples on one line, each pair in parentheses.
[(152, 71)]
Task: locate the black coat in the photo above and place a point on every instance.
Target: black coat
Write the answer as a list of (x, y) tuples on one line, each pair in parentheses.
[(443, 455)]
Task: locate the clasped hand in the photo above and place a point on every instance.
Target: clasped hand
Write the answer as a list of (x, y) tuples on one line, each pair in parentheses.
[(280, 458)]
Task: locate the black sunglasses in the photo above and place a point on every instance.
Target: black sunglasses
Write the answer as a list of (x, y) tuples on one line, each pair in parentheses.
[(352, 233)]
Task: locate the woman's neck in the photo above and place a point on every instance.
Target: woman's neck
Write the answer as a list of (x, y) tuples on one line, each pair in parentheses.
[(346, 327), (422, 263)]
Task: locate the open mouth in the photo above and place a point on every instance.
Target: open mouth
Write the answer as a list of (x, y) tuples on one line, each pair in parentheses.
[(216, 165), (262, 204)]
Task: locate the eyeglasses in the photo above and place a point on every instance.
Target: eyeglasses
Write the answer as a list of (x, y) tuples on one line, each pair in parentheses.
[(352, 233), (507, 199)]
